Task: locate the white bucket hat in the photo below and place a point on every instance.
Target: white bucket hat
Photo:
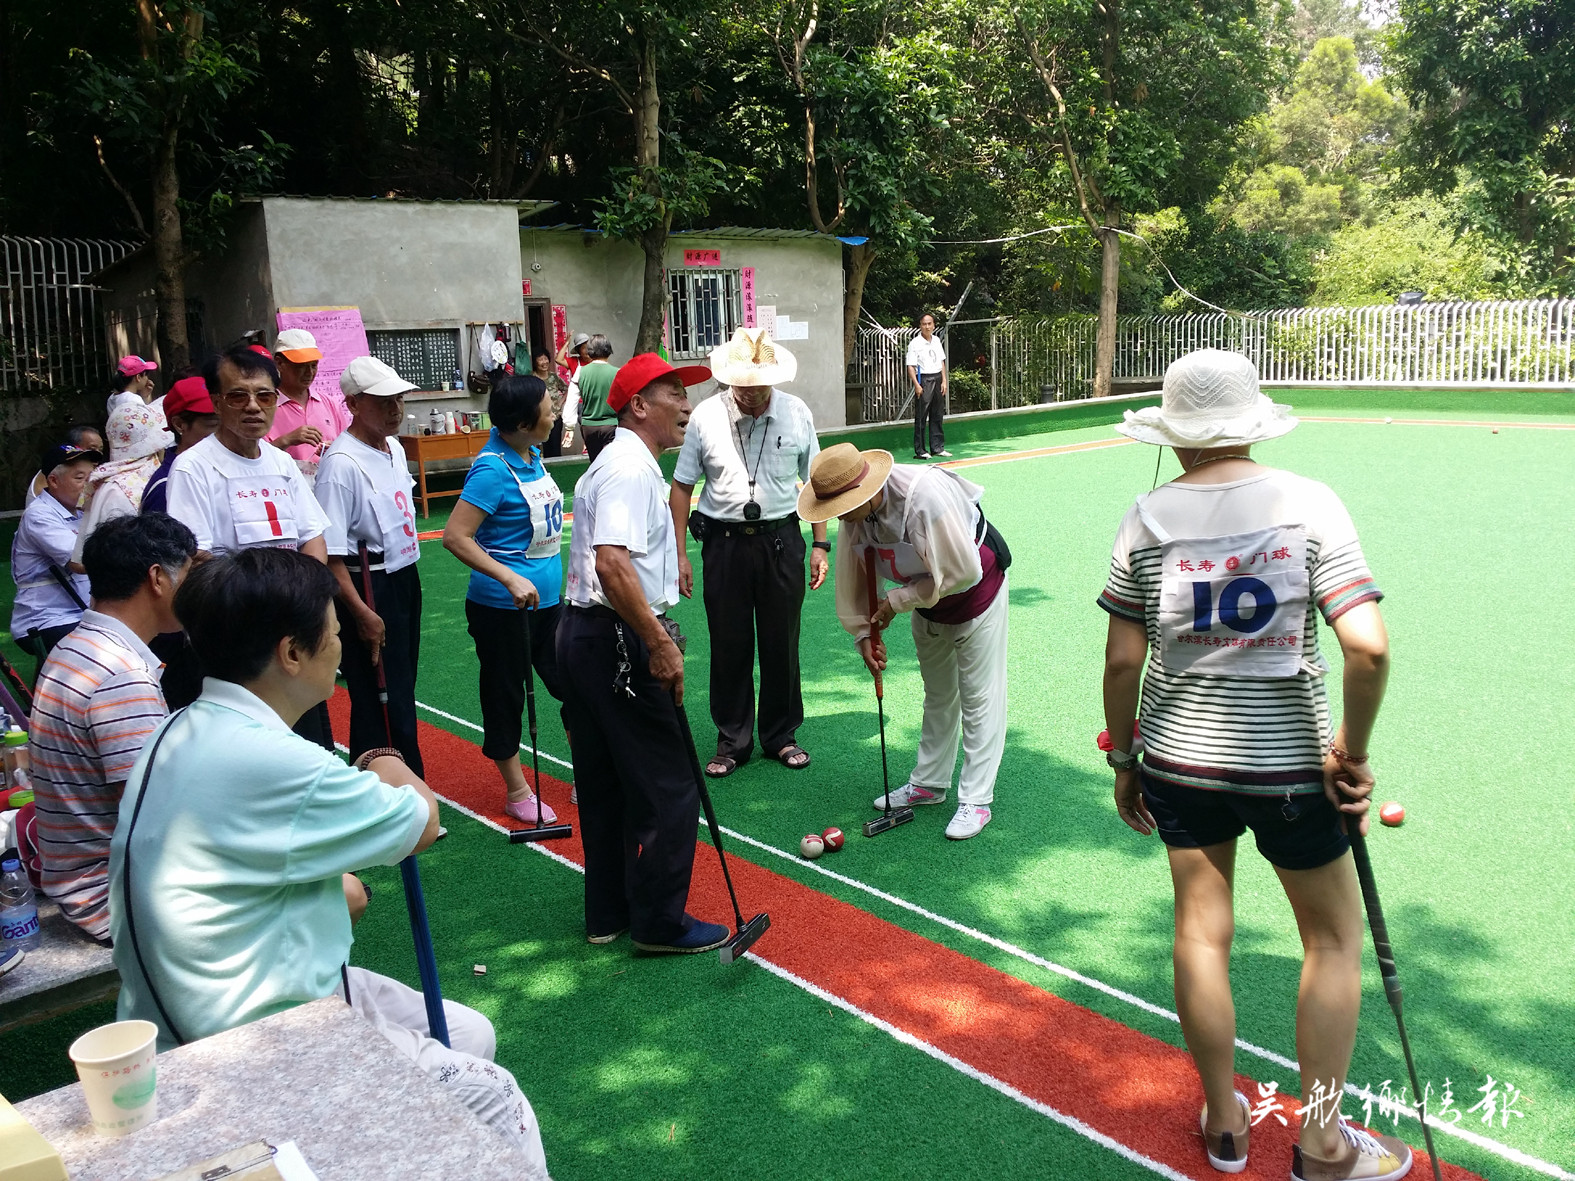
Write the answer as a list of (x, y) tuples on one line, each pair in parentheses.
[(368, 375), (1211, 399), (752, 358)]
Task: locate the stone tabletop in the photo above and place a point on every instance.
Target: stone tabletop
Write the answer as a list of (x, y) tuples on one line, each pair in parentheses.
[(70, 968), (317, 1074)]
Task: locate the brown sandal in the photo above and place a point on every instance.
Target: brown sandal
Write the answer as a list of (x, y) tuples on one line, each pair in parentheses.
[(788, 754), (728, 767)]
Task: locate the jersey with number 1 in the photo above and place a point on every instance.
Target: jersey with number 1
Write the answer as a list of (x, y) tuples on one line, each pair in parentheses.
[(1229, 581)]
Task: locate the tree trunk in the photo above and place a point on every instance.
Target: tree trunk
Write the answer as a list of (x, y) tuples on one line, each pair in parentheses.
[(647, 162), (1109, 287), (503, 135), (169, 255), (859, 260)]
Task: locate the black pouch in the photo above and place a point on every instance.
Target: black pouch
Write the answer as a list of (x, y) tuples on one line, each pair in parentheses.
[(698, 526), (997, 545)]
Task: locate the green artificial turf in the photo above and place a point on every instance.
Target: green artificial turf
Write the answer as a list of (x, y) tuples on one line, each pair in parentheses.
[(678, 1068)]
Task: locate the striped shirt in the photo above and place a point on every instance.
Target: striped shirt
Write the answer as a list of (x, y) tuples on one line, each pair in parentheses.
[(1250, 734), (98, 699)]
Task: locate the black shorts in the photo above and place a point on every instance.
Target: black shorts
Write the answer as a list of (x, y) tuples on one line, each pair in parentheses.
[(1293, 832)]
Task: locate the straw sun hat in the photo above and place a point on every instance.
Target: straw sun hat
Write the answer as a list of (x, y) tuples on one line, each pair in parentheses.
[(840, 479), (1211, 399), (752, 358)]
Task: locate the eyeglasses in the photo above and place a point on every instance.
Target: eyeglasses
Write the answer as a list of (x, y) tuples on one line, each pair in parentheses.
[(240, 399)]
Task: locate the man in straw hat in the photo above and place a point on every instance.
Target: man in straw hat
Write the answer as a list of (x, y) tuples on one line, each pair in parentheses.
[(923, 529), (752, 444), (623, 669), (1217, 574)]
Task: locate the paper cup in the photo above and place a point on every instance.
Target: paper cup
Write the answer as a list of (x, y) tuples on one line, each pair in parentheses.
[(116, 1066)]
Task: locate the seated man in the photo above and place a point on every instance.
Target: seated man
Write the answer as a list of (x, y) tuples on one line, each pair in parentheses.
[(98, 700), (225, 872), (49, 602)]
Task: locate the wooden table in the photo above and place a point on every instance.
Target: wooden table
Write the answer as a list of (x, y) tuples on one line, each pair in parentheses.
[(426, 448), (316, 1074)]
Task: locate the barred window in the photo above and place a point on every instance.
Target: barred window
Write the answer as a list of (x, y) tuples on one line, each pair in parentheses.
[(705, 306), (426, 357)]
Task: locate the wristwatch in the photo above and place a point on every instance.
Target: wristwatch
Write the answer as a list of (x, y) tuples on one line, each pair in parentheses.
[(825, 545), (1121, 760)]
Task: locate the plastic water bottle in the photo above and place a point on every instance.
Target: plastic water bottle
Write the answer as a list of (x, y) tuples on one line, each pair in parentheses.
[(18, 908), (17, 758)]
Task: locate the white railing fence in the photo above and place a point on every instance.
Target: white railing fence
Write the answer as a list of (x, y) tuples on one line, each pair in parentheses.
[(51, 328), (1501, 343)]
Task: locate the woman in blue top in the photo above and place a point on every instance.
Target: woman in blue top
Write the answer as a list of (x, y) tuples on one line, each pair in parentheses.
[(508, 528)]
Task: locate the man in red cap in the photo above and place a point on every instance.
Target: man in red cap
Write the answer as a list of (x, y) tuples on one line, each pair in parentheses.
[(638, 803), (189, 411)]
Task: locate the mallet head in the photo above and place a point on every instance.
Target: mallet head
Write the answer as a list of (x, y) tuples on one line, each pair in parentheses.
[(746, 938), (551, 832), (887, 821)]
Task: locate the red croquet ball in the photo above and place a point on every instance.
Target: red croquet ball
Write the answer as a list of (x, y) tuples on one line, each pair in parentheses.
[(1392, 814), (811, 846), (833, 838)]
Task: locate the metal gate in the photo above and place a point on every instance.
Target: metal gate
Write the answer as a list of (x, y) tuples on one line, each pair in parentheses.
[(51, 325)]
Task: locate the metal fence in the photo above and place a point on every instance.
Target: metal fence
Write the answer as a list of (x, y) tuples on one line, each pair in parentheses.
[(1507, 343), (51, 327)]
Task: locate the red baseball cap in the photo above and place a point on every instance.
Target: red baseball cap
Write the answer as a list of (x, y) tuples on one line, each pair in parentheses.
[(189, 395), (642, 370)]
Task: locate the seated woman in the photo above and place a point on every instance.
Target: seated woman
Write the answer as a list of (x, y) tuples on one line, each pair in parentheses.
[(227, 896)]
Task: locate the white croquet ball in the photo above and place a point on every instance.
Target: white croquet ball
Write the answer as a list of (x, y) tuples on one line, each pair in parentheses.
[(812, 846)]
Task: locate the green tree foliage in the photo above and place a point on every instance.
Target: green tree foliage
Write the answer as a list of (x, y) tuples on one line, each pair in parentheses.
[(1411, 246), (1494, 90)]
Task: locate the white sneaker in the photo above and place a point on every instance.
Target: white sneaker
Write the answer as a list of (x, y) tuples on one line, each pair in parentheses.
[(910, 795), (969, 820)]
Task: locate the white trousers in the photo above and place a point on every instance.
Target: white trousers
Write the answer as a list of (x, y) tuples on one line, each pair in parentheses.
[(467, 1071), (964, 670)]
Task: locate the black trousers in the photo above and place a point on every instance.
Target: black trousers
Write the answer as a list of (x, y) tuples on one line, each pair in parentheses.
[(181, 680), (500, 635), (552, 445), (397, 597), (597, 437), (638, 803), (315, 726), (754, 596), (929, 406)]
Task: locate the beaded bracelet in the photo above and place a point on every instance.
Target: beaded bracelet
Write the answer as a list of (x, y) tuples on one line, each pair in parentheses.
[(1346, 756), (365, 761)]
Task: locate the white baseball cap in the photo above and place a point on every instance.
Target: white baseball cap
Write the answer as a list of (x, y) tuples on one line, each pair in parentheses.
[(368, 375), (298, 345)]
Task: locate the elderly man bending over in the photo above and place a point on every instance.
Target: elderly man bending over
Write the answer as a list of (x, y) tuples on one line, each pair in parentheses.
[(226, 902)]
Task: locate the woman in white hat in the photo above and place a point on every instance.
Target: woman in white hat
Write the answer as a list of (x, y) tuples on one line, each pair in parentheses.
[(1217, 580), (924, 529)]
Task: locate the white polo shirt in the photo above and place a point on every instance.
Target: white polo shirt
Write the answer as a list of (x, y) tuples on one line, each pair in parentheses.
[(233, 503), (622, 500), (45, 538), (927, 356), (726, 447), (366, 496)]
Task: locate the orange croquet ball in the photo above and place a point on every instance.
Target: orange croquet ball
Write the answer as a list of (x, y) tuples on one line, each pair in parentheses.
[(1392, 814), (811, 847), (833, 839)]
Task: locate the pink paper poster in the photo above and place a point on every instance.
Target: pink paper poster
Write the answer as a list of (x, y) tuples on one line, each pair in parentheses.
[(746, 281), (340, 336)]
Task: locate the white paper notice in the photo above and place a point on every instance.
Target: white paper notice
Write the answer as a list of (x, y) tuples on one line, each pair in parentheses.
[(791, 329), (766, 317)]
